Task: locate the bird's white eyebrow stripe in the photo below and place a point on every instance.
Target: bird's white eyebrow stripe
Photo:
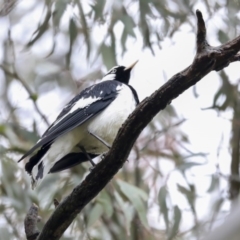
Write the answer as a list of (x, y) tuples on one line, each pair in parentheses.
[(112, 69), (109, 77)]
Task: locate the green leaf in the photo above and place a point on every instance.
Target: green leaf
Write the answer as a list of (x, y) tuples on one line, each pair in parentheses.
[(187, 165), (41, 29), (107, 55), (84, 27), (133, 188), (105, 200), (162, 196), (60, 8), (124, 39), (127, 210), (95, 214), (136, 196), (189, 194), (129, 25), (223, 37), (97, 8), (176, 223), (73, 32), (217, 205), (214, 184)]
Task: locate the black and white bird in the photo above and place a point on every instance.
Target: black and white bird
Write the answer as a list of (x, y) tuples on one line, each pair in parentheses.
[(86, 127)]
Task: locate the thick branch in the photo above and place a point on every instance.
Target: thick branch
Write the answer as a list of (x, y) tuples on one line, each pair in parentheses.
[(206, 60)]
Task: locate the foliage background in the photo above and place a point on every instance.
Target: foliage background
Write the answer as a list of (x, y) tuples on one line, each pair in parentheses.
[(178, 182)]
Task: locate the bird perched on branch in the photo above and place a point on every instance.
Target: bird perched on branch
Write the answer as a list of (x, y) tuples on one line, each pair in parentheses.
[(86, 127)]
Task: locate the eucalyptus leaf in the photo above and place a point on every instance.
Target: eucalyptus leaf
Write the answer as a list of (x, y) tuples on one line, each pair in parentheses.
[(137, 197), (127, 210), (97, 8), (73, 32), (214, 184), (186, 165), (60, 7), (189, 194), (41, 29), (95, 213), (107, 55), (162, 199), (176, 223), (105, 200)]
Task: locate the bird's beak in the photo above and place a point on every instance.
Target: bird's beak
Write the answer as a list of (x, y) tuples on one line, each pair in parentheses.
[(131, 66)]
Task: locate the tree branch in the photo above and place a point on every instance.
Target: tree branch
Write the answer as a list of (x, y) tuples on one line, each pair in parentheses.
[(30, 223), (206, 60)]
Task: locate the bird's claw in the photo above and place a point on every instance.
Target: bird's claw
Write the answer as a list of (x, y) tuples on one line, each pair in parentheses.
[(103, 156), (91, 168)]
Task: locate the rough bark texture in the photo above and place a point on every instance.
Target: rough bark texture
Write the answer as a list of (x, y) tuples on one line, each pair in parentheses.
[(206, 60), (30, 223)]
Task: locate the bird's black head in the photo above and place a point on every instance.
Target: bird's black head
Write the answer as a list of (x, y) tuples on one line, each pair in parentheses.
[(119, 73)]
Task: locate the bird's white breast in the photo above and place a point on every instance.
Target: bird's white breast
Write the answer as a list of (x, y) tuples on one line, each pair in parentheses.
[(107, 123)]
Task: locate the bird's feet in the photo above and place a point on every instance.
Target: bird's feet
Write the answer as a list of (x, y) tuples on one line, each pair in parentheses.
[(93, 165), (103, 156), (91, 168)]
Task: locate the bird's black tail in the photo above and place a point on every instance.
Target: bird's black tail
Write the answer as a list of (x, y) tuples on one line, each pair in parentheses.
[(70, 160), (34, 160)]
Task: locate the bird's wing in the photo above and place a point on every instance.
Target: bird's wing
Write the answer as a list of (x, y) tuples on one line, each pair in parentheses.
[(80, 109)]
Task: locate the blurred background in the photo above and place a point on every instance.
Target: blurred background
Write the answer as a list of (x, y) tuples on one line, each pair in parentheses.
[(182, 176)]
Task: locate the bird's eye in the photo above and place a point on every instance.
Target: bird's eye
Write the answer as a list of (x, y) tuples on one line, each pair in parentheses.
[(114, 70)]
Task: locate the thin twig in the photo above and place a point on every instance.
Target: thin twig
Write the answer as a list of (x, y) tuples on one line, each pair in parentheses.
[(32, 95)]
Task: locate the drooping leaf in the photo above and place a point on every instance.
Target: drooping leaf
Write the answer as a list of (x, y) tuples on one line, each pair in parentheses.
[(105, 200), (73, 32), (176, 222), (129, 24), (85, 27), (137, 197), (189, 194), (145, 10), (222, 36), (186, 165), (97, 9), (60, 7), (41, 29), (162, 199), (107, 55), (127, 210), (124, 39), (214, 184), (95, 214)]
